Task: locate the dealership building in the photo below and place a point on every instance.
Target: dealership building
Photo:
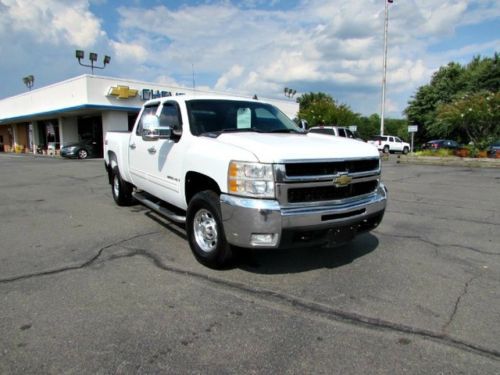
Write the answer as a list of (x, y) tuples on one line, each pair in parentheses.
[(84, 107)]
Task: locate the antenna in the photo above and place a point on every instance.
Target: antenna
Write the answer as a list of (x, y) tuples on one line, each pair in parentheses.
[(192, 69)]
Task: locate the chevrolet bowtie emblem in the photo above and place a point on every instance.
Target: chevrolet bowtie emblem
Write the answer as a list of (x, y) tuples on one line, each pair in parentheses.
[(122, 92), (342, 180)]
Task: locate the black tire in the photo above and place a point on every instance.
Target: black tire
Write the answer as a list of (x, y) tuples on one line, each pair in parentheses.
[(83, 154), (386, 149), (205, 231), (405, 150), (121, 190)]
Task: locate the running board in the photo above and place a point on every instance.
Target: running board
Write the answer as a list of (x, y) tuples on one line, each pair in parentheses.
[(159, 209)]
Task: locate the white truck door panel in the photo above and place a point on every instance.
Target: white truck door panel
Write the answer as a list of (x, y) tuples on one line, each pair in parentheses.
[(140, 155), (164, 172)]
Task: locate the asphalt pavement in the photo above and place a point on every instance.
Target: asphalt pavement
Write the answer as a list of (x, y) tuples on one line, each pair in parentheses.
[(88, 287)]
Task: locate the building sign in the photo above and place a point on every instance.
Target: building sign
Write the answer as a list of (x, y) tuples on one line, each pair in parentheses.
[(122, 92), (147, 94)]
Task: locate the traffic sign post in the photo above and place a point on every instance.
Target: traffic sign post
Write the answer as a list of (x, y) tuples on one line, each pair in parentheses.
[(412, 129)]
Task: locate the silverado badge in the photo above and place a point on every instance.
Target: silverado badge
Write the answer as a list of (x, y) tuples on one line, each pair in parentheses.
[(342, 180)]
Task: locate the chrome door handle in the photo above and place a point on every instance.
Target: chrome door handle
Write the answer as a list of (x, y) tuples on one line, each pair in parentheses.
[(132, 146), (152, 150)]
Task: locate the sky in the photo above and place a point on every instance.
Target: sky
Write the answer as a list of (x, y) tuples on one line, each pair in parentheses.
[(250, 46)]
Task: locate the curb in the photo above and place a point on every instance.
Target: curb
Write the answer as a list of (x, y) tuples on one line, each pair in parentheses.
[(450, 161)]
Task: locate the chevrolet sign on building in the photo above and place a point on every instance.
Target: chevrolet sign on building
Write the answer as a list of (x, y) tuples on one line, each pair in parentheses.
[(122, 92)]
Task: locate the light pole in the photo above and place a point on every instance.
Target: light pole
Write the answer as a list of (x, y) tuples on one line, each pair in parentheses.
[(386, 26), (29, 81), (79, 54)]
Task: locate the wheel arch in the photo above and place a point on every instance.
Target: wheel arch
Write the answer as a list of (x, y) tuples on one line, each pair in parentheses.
[(113, 160), (196, 182)]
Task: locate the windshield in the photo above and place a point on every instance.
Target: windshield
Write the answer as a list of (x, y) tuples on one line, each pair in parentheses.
[(215, 116)]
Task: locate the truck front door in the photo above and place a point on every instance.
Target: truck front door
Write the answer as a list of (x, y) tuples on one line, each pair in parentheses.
[(165, 169), (139, 156)]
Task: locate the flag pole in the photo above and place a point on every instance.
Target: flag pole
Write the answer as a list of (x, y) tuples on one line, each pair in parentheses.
[(384, 79)]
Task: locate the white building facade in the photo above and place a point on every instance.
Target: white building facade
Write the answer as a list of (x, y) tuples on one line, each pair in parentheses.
[(84, 107)]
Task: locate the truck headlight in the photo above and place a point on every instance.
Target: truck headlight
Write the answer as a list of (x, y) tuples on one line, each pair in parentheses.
[(251, 179)]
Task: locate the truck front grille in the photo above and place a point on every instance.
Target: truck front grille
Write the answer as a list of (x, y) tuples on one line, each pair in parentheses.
[(318, 181), (331, 167), (328, 193)]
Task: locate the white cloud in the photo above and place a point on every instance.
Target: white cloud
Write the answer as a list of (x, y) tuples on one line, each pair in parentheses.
[(52, 21), (129, 52)]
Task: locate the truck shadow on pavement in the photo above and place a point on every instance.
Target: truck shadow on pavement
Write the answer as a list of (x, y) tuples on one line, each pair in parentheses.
[(298, 260), (283, 261)]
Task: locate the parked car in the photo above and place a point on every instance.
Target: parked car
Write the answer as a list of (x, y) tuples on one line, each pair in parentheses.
[(441, 143), (389, 143), (334, 130), (494, 149), (82, 150)]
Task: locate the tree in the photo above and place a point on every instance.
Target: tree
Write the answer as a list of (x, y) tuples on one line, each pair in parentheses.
[(448, 85), (475, 117)]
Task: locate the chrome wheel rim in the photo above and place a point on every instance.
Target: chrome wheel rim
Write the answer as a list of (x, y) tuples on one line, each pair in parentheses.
[(82, 154), (116, 186), (205, 230)]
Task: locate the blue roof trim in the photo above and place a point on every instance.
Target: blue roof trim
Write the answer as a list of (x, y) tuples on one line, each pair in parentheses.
[(69, 109)]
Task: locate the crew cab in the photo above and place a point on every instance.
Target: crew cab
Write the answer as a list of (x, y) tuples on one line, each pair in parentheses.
[(240, 173), (389, 143)]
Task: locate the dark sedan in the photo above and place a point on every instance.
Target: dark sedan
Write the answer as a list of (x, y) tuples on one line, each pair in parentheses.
[(441, 143), (494, 150), (81, 150)]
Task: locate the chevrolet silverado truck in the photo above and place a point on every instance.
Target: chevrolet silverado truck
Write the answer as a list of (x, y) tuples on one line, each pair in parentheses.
[(240, 174)]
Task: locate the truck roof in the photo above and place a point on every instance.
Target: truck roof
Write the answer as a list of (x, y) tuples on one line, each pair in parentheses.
[(185, 98)]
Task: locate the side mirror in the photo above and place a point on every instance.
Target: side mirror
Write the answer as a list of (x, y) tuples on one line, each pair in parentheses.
[(151, 130)]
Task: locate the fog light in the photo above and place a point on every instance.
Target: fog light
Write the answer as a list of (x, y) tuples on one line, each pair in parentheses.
[(264, 239)]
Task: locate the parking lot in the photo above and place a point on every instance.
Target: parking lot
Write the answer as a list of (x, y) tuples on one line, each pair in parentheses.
[(90, 287)]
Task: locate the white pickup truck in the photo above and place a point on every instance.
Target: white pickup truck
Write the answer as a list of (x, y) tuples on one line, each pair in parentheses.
[(240, 173)]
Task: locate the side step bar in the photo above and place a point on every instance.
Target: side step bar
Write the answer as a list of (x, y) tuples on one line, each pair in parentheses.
[(165, 212)]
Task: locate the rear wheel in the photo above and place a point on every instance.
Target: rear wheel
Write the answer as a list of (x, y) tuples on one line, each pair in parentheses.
[(121, 190), (386, 149), (83, 154), (205, 231)]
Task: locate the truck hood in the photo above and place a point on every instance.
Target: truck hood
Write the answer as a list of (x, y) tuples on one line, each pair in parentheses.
[(277, 148)]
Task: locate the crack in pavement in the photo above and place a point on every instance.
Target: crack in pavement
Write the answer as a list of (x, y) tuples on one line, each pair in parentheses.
[(457, 302), (314, 308), (434, 244), (75, 267), (280, 298)]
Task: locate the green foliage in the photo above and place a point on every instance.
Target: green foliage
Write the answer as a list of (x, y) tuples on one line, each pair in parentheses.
[(438, 106), (320, 108), (476, 115), (442, 153)]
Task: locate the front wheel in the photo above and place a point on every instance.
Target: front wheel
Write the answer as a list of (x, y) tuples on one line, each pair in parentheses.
[(405, 150), (83, 154), (205, 231), (121, 190)]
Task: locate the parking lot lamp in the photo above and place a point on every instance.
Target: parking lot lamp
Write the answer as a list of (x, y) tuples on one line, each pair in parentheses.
[(29, 81), (79, 54)]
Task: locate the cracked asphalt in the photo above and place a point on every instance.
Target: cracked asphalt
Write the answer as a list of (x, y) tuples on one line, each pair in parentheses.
[(89, 287)]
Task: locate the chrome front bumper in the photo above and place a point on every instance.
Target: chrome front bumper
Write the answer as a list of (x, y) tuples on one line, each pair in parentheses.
[(243, 217)]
